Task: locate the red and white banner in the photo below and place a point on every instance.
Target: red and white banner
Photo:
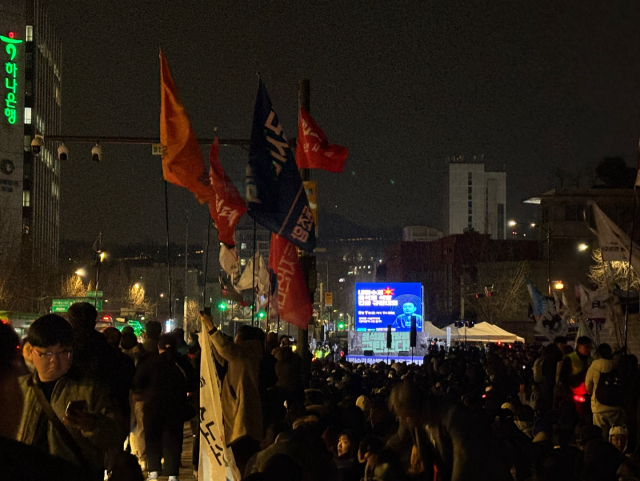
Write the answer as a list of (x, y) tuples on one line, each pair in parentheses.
[(294, 303), (313, 150), (228, 206)]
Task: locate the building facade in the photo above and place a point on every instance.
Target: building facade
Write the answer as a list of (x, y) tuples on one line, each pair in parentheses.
[(453, 267), (475, 199), (29, 182), (564, 234)]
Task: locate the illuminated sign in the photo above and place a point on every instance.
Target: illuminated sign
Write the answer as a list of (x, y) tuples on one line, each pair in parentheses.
[(394, 304), (10, 77)]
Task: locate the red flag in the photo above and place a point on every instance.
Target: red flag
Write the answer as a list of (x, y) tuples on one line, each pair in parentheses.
[(182, 161), (228, 206), (313, 151), (294, 303)]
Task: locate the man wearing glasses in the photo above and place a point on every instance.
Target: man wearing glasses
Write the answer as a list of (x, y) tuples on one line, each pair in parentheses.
[(87, 421)]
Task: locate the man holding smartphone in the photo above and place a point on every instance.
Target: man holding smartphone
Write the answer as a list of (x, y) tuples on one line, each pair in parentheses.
[(65, 414)]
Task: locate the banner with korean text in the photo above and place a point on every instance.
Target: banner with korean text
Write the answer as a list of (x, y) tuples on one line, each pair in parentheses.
[(216, 459), (275, 196)]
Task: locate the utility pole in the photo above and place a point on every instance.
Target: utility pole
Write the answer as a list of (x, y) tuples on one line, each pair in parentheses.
[(186, 275), (98, 254), (308, 260)]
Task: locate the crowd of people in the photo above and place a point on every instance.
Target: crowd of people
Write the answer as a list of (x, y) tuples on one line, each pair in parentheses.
[(79, 404)]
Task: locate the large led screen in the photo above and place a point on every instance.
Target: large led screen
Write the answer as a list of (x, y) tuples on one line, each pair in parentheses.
[(379, 305)]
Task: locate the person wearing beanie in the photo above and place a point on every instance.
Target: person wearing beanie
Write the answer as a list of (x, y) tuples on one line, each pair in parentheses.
[(619, 437), (364, 403)]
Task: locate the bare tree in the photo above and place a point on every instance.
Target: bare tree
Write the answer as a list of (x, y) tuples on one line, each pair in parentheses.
[(193, 319), (510, 299), (73, 286), (612, 273), (137, 299)]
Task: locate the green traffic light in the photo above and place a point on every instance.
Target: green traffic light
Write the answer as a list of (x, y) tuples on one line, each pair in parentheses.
[(341, 326), (222, 306), (261, 314)]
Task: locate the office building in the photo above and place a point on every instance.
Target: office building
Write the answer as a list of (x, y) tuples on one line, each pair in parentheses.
[(29, 182), (475, 199)]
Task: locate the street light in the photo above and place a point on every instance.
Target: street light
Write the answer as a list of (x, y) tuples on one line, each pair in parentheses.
[(81, 273), (512, 223), (582, 247), (558, 285)]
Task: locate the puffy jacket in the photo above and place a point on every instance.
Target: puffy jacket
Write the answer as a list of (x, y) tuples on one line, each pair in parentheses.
[(598, 367), (241, 404), (108, 432)]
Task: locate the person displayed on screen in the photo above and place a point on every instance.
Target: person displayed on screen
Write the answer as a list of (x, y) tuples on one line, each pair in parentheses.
[(403, 321)]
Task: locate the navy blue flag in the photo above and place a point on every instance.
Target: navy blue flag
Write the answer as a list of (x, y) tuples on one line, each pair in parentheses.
[(276, 198)]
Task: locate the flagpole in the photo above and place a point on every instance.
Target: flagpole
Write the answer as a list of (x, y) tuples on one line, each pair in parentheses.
[(633, 223), (206, 262), (166, 221), (253, 278), (304, 101)]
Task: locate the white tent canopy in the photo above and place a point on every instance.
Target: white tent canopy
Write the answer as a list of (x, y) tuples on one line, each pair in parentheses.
[(433, 332), (483, 332)]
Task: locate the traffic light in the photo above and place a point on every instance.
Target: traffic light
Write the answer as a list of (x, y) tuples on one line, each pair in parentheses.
[(340, 325), (261, 315), (222, 306)]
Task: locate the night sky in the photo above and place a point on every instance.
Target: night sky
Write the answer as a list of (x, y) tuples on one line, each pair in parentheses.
[(531, 85)]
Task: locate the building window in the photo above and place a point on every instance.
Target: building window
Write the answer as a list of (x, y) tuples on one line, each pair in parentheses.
[(243, 262), (29, 34), (27, 115), (470, 220), (26, 198), (470, 204), (470, 190), (243, 245)]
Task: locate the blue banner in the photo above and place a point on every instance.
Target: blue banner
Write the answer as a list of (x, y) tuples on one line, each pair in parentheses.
[(275, 196)]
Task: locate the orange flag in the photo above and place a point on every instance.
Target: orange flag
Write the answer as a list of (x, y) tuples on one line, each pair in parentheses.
[(182, 160)]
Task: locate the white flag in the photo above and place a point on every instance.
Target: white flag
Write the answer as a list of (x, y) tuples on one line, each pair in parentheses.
[(216, 459), (614, 243), (261, 273), (229, 261)]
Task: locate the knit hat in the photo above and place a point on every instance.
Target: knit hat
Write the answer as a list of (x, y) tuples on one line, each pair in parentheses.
[(618, 430), (364, 403), (509, 406)]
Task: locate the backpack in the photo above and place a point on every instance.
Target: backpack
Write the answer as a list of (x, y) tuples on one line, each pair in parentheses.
[(609, 390)]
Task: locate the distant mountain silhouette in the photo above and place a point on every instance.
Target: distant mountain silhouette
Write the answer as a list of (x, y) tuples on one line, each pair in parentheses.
[(334, 226)]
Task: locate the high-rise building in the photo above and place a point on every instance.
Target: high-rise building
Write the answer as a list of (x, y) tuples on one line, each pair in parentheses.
[(29, 181), (475, 199)]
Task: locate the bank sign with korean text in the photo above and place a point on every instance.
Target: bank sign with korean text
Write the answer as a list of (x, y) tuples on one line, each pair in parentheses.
[(11, 48)]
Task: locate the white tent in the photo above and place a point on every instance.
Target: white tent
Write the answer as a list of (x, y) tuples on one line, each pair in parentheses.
[(433, 332), (483, 332)]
